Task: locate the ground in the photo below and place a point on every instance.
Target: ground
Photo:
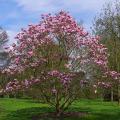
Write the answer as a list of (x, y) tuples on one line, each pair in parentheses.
[(20, 109)]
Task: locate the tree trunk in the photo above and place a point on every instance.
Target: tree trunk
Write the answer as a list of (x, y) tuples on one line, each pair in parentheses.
[(59, 112), (118, 94), (112, 96)]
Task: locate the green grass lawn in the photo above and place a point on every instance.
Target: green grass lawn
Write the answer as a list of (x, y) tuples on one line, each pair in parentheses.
[(16, 109)]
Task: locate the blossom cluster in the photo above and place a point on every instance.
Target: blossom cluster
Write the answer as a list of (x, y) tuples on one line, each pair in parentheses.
[(16, 85), (102, 85), (65, 78), (113, 74)]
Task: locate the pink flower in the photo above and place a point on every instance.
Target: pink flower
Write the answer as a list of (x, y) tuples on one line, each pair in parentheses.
[(68, 65), (54, 90), (30, 53), (17, 60)]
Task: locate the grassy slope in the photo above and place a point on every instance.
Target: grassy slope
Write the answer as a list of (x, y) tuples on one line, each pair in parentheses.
[(15, 109)]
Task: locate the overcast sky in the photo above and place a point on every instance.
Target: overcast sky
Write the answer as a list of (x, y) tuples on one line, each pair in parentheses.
[(17, 14)]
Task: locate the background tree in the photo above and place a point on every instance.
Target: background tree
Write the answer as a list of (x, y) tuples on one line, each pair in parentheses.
[(4, 57), (107, 26), (3, 53)]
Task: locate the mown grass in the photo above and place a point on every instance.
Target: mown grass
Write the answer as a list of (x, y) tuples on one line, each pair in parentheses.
[(18, 109)]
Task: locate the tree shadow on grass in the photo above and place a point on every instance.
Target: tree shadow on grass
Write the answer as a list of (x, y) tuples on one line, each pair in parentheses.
[(26, 114), (33, 114), (30, 113)]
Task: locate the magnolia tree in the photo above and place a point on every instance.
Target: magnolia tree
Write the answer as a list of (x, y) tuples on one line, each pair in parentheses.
[(44, 55)]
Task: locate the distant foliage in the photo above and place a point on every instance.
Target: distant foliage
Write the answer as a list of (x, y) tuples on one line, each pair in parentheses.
[(4, 58)]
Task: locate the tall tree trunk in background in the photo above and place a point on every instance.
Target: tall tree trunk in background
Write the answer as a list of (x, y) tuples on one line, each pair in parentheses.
[(112, 95), (118, 94)]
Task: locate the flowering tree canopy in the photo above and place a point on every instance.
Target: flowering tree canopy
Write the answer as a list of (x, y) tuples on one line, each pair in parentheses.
[(44, 56)]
